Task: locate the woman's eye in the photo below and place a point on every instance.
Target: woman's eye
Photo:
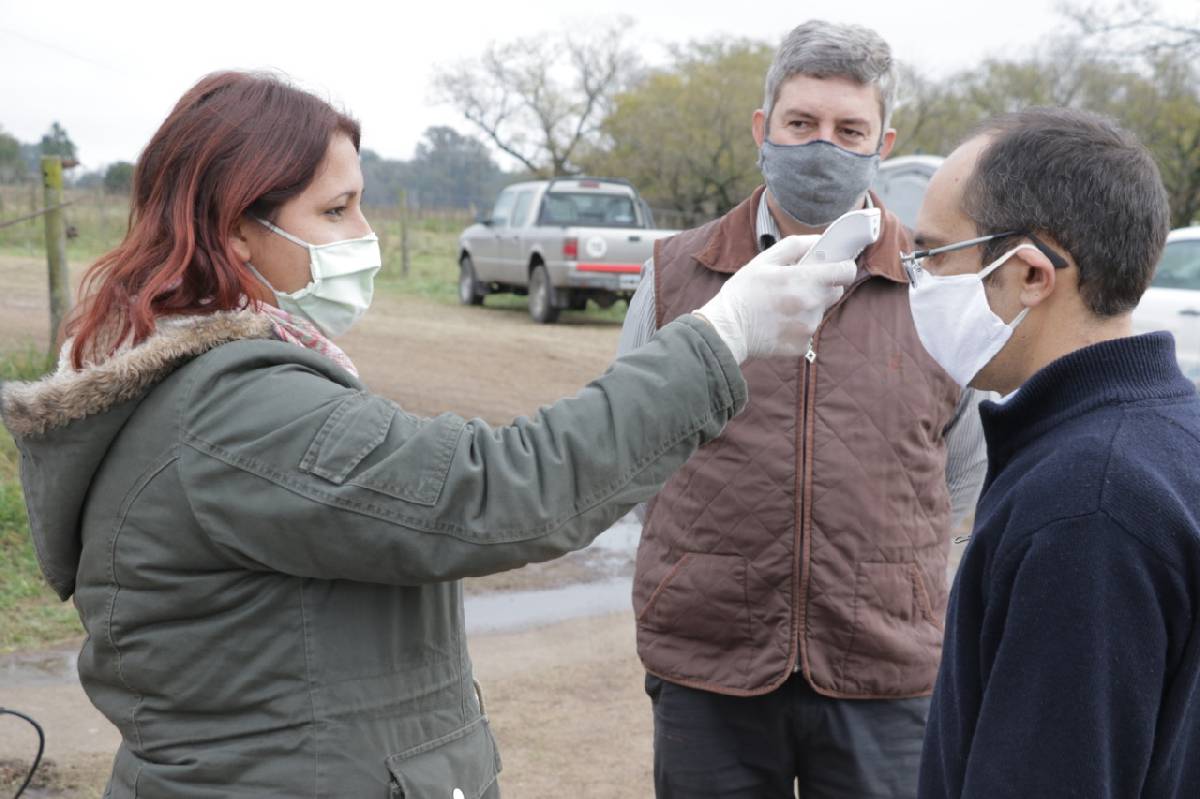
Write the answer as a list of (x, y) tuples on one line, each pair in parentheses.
[(336, 213)]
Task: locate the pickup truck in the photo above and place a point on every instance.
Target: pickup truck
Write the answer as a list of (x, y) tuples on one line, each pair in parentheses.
[(562, 242)]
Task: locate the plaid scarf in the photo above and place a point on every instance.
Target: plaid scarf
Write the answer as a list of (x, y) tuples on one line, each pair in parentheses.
[(299, 331)]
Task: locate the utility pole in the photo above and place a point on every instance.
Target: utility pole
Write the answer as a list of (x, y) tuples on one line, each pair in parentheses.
[(56, 246)]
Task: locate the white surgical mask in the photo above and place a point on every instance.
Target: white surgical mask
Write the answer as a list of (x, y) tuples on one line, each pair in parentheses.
[(954, 321), (343, 281)]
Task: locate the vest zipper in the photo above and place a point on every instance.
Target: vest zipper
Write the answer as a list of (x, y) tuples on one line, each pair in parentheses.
[(800, 601)]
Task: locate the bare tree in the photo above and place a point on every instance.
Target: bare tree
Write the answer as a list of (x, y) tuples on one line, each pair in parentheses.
[(1135, 28), (538, 98)]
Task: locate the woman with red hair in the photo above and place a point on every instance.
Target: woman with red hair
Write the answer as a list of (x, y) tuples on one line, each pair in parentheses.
[(266, 556)]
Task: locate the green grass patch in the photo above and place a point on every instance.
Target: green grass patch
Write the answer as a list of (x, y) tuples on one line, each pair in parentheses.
[(30, 613), (25, 364)]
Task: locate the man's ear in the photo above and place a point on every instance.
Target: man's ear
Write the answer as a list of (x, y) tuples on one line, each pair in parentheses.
[(238, 240), (758, 126), (887, 143), (1038, 276)]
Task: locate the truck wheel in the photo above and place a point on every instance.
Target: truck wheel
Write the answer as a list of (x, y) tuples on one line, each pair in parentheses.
[(541, 297), (468, 286)]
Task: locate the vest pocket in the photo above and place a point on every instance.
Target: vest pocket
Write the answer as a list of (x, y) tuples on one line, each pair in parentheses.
[(895, 630), (701, 599), (465, 760)]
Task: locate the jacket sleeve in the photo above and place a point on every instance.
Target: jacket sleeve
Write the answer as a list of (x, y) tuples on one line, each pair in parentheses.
[(1072, 699), (287, 470)]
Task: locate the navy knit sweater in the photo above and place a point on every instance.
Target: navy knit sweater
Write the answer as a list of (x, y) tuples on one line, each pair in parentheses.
[(1072, 658)]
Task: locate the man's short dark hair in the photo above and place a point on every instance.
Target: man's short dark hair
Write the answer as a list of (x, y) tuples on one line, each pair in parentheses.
[(1082, 180)]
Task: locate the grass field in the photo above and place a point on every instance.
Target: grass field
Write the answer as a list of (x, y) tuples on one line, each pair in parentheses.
[(29, 614)]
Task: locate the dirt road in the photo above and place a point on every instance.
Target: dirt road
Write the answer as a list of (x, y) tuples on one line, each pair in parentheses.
[(565, 701)]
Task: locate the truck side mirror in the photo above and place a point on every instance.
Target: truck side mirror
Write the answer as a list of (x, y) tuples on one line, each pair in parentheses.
[(483, 219)]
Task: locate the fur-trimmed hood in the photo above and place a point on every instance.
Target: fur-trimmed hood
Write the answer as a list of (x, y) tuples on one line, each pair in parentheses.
[(67, 395), (65, 423)]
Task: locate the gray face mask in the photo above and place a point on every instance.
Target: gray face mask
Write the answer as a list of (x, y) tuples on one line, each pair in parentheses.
[(816, 182)]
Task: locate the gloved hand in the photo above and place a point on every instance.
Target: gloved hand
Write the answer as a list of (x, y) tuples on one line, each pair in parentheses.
[(771, 306)]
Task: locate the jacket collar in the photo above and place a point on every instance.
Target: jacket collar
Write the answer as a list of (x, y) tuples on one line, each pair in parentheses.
[(735, 242), (67, 395)]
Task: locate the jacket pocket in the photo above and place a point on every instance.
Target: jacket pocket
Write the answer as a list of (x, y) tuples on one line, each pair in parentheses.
[(702, 599), (414, 461), (465, 760), (353, 430), (896, 640)]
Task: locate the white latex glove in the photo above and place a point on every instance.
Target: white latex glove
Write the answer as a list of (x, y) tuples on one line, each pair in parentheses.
[(771, 306)]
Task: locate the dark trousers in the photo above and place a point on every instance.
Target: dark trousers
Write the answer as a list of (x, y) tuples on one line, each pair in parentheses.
[(793, 739)]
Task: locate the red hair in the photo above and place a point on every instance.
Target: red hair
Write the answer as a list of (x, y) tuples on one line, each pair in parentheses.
[(234, 143)]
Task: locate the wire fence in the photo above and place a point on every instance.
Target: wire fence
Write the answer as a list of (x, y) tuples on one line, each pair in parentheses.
[(38, 213)]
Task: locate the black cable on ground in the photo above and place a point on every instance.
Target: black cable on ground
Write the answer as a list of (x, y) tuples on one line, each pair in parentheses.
[(37, 760)]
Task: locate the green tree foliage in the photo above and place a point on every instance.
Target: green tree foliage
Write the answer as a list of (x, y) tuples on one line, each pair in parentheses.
[(118, 178), (540, 98), (56, 141), (682, 135), (450, 170), (12, 165), (382, 179)]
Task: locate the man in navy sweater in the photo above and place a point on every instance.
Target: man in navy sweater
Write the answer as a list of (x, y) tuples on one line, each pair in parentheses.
[(1072, 655)]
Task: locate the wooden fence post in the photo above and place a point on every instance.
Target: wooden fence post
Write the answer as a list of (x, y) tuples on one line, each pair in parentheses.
[(56, 246)]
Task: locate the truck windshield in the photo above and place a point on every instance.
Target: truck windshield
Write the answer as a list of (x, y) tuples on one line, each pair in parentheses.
[(589, 209)]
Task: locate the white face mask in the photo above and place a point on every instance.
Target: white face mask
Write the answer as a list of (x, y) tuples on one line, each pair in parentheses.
[(343, 281), (954, 321)]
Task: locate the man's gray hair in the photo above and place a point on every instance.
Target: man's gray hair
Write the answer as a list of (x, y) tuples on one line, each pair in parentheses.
[(829, 49)]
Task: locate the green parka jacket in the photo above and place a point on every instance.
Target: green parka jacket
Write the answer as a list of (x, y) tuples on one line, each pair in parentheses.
[(266, 556)]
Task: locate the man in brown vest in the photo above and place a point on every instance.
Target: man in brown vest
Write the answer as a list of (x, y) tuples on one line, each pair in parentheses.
[(791, 578)]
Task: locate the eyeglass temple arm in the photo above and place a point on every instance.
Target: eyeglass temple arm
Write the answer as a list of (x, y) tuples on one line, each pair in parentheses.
[(958, 245), (1056, 260)]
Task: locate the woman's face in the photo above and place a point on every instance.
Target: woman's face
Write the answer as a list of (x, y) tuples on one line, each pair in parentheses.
[(328, 210)]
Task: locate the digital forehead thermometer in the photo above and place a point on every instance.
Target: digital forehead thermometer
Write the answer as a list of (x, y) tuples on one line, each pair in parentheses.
[(845, 238)]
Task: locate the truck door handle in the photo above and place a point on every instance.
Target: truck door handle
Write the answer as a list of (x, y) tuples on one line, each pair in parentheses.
[(635, 237), (1189, 312)]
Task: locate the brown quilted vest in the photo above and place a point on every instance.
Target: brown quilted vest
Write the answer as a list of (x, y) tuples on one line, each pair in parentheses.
[(813, 533)]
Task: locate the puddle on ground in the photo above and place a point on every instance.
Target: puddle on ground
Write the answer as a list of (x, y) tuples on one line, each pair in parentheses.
[(611, 557), (29, 668), (517, 610)]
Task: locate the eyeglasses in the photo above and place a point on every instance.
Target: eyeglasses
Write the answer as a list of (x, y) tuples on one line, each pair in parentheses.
[(913, 268)]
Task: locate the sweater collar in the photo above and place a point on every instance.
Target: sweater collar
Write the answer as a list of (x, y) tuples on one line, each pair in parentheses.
[(1109, 373)]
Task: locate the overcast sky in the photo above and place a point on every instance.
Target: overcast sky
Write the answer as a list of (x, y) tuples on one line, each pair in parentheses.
[(110, 71)]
